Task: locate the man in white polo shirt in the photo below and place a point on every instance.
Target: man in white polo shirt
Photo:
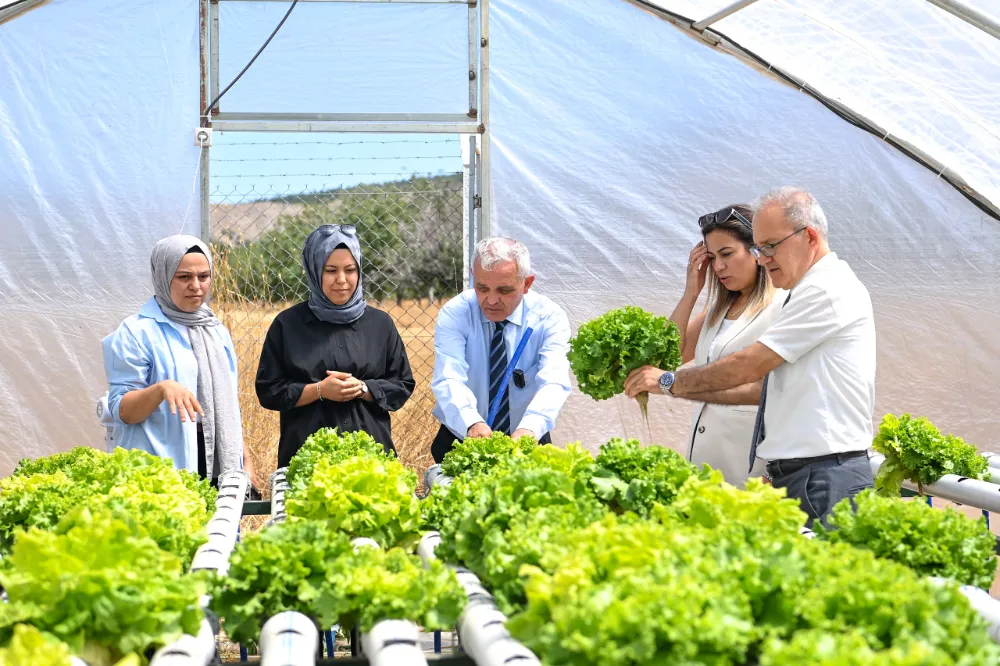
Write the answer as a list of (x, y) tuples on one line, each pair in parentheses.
[(813, 370)]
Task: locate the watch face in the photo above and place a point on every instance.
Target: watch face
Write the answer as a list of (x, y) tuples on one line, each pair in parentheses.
[(666, 381)]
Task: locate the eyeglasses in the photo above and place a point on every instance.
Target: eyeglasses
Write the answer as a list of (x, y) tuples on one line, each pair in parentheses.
[(720, 217), (768, 250)]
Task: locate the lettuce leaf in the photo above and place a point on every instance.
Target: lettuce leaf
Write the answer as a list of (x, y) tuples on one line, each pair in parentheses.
[(364, 496), (606, 349), (475, 455), (932, 542), (96, 578), (916, 450), (329, 444)]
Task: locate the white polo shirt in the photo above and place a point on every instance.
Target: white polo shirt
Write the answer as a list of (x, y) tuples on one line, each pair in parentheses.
[(821, 399)]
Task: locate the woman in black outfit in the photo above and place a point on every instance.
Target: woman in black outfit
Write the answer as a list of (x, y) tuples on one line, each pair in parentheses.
[(333, 361)]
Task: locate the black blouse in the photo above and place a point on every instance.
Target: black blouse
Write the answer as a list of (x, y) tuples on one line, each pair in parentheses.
[(298, 351)]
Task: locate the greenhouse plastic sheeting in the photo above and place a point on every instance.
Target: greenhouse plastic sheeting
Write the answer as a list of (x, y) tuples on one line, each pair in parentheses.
[(614, 130), (98, 105), (916, 71)]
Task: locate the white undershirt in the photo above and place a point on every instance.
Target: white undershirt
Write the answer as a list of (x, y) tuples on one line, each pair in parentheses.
[(726, 323)]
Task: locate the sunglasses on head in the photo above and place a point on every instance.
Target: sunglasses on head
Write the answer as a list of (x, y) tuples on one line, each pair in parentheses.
[(348, 229), (720, 217)]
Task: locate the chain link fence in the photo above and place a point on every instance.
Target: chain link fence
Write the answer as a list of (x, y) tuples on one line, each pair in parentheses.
[(268, 195)]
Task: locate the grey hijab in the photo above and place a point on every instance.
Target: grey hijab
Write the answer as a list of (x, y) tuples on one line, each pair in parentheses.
[(221, 424), (319, 245)]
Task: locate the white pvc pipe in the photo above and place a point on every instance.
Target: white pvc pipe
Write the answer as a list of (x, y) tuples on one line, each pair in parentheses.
[(987, 607), (278, 488), (234, 484), (428, 543), (481, 627), (393, 643), (288, 639), (363, 542), (486, 639), (188, 650), (993, 459), (959, 489)]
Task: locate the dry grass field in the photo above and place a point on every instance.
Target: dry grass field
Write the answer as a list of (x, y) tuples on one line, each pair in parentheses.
[(413, 427)]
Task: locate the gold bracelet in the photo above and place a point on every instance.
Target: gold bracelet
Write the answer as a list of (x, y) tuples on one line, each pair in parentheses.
[(319, 391)]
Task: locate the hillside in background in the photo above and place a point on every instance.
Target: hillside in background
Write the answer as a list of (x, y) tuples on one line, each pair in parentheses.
[(410, 231)]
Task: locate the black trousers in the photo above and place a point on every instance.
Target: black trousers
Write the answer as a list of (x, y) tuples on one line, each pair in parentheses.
[(445, 441), (820, 483)]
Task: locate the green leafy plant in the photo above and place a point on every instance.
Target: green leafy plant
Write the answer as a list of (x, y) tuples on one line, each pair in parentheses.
[(915, 450), (364, 496), (332, 445), (307, 566), (630, 591), (173, 505), (606, 349), (496, 522), (820, 648), (760, 510), (930, 541), (475, 455), (631, 477), (97, 582)]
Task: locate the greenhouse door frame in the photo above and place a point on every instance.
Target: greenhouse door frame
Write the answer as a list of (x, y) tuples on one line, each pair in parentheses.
[(472, 126)]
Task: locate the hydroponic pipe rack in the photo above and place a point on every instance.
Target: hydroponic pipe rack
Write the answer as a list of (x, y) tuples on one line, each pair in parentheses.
[(962, 490), (223, 531), (481, 627)]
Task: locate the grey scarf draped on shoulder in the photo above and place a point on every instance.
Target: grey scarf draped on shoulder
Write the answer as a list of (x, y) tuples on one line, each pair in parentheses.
[(318, 247), (221, 423)]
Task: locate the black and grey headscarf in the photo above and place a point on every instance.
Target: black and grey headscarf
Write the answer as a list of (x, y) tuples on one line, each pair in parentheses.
[(319, 245), (221, 424)]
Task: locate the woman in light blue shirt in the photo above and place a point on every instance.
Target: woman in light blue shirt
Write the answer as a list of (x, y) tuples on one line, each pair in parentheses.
[(172, 369)]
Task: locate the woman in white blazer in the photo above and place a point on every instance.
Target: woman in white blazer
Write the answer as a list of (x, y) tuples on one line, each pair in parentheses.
[(742, 302)]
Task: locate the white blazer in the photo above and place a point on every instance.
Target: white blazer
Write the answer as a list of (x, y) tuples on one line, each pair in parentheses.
[(721, 434)]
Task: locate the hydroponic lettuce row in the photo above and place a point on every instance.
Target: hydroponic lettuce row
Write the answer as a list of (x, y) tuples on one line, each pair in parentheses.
[(98, 582), (915, 450), (475, 455), (715, 574), (172, 506), (932, 542), (606, 349), (639, 592), (347, 481), (307, 566)]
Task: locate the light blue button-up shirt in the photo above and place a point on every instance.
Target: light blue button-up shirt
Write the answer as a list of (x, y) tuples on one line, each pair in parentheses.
[(148, 348), (462, 371)]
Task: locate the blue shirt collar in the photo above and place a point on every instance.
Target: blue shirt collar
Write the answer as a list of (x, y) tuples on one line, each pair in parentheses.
[(151, 309), (516, 317)]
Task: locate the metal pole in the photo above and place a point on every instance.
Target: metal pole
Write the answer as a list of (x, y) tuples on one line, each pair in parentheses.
[(470, 236), (205, 121), (473, 62), (214, 42), (486, 190), (721, 14), (971, 16)]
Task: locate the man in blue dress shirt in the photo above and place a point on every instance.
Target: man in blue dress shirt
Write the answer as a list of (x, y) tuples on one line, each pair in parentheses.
[(475, 338)]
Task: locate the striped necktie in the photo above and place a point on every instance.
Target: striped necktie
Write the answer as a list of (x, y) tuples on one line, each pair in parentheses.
[(498, 367), (758, 426)]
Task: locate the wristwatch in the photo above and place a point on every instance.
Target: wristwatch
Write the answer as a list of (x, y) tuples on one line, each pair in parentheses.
[(667, 382)]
